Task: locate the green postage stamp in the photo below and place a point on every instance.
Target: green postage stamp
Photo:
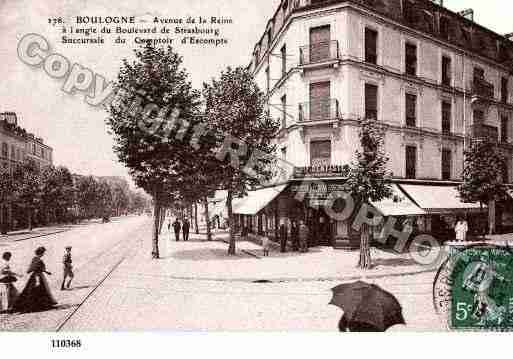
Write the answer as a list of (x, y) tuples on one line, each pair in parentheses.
[(479, 281)]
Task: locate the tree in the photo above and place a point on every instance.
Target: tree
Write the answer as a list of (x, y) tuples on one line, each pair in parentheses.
[(155, 99), (86, 190), (368, 179), (235, 107), (56, 192), (27, 187), (6, 197), (482, 177)]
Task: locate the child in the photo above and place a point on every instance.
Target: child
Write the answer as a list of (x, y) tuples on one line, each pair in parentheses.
[(265, 245), (68, 268)]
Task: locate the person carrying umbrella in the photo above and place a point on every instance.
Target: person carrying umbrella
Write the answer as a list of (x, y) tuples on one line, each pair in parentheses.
[(367, 307)]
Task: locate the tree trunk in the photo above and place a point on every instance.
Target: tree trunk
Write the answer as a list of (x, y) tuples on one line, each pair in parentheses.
[(231, 247), (365, 256), (207, 218), (29, 218), (156, 225), (491, 217), (162, 215), (196, 217)]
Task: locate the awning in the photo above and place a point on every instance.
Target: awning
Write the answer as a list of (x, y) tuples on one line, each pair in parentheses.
[(438, 199), (255, 201), (398, 205)]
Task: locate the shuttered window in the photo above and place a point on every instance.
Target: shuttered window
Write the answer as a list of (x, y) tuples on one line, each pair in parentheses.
[(371, 102), (446, 117), (446, 71), (320, 153), (411, 110), (371, 46), (320, 43), (446, 164), (411, 59), (320, 101), (411, 162)]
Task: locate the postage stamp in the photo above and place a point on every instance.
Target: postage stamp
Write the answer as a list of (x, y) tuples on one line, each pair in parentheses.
[(474, 289)]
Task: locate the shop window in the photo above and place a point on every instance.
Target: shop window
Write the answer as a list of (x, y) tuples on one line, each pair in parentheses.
[(411, 59), (371, 46), (411, 162), (446, 71), (320, 153), (5, 150), (446, 164), (371, 102), (411, 110), (446, 117)]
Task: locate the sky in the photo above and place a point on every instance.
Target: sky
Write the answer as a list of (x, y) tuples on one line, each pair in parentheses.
[(76, 130)]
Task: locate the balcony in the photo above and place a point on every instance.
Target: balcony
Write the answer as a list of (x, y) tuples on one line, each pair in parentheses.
[(319, 53), (485, 133), (320, 171), (319, 110), (483, 89)]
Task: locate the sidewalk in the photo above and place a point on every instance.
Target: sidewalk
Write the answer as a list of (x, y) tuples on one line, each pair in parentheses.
[(199, 259)]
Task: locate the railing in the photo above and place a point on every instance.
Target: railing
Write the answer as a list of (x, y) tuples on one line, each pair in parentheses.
[(482, 88), (319, 110), (320, 171), (319, 52), (485, 132)]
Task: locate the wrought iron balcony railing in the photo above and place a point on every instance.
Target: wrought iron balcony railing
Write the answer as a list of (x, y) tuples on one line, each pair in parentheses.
[(319, 52), (485, 133), (319, 110), (482, 88)]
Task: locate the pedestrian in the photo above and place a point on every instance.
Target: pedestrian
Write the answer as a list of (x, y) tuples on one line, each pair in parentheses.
[(294, 235), (36, 295), (177, 226), (265, 244), (68, 268), (303, 236), (461, 229), (185, 229), (8, 292)]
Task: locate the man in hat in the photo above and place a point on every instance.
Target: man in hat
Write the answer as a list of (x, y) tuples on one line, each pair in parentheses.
[(68, 268), (186, 226)]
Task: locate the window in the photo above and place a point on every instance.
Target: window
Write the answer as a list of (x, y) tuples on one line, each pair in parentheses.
[(504, 129), (479, 73), (18, 155), (446, 117), (371, 46), (444, 27), (320, 103), (411, 162), (446, 164), (504, 90), (478, 117), (33, 148), (283, 52), (411, 59), (446, 71), (13, 152), (320, 38), (268, 79), (284, 153), (284, 111), (371, 102), (320, 153), (411, 110), (5, 150)]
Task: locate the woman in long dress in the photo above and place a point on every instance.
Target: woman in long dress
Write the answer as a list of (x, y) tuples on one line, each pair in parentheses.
[(36, 295), (8, 292)]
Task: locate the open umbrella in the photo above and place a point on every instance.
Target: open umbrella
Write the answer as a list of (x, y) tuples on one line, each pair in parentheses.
[(367, 306)]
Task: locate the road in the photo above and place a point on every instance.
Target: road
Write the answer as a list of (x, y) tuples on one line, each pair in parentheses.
[(121, 288), (97, 250)]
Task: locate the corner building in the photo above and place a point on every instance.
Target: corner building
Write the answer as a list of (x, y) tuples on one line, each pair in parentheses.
[(435, 79)]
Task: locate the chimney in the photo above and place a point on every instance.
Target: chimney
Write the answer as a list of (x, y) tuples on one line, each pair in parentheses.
[(9, 117), (467, 14)]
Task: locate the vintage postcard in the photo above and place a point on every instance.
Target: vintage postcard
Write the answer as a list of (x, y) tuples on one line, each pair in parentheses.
[(274, 165)]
